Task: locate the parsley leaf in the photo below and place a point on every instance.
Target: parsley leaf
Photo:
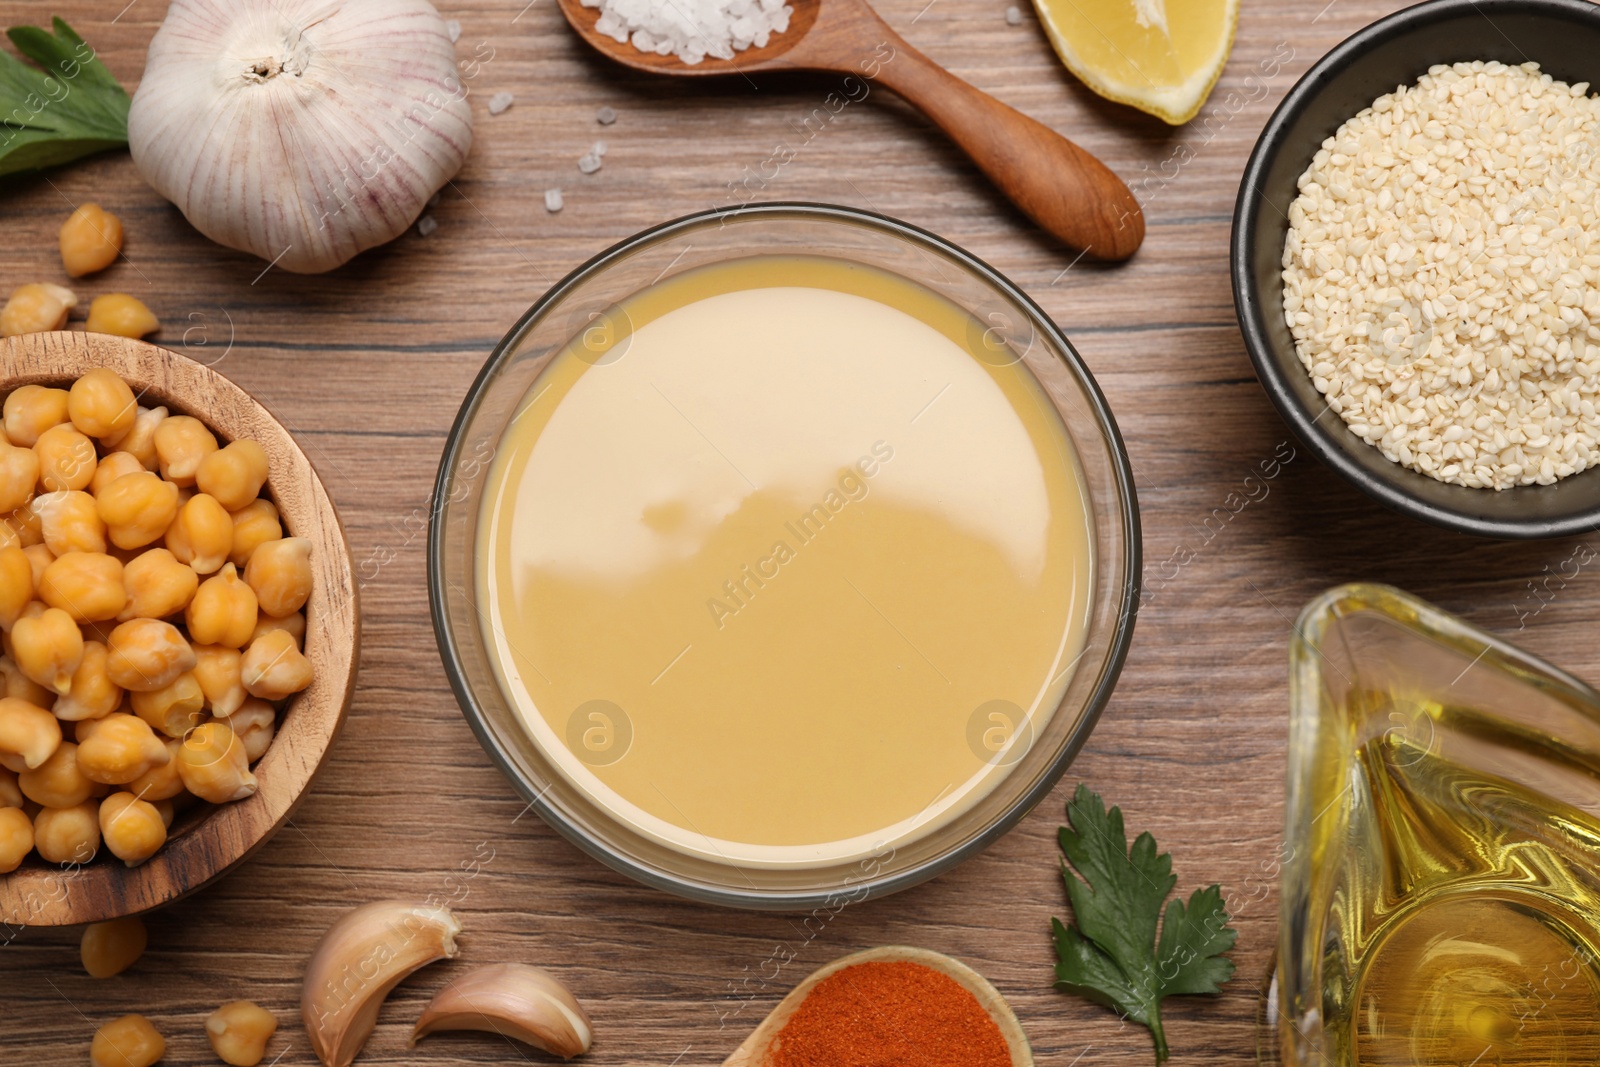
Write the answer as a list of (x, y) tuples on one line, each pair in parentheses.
[(71, 108), (1111, 954)]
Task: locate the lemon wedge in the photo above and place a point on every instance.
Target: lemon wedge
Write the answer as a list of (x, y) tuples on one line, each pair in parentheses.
[(1160, 56)]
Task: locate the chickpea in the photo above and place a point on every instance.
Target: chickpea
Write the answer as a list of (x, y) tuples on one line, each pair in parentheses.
[(167, 809), (30, 410), (91, 240), (273, 667), (10, 791), (16, 684), (181, 443), (47, 647), (70, 522), (68, 835), (109, 948), (234, 474), (146, 654), (202, 534), (66, 458), (217, 669), (93, 694), (28, 733), (174, 709), (36, 308), (140, 441), (127, 1042), (158, 585), (294, 624), (137, 508), (100, 404), (280, 573), (16, 838), (9, 537), (239, 1032), (163, 782), (16, 585), (57, 782), (131, 828), (254, 525), (112, 465), (254, 723), (86, 585), (214, 764), (223, 611), (121, 315), (19, 474), (120, 749)]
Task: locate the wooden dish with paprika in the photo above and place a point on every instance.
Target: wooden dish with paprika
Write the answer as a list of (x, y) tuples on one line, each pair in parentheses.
[(894, 1004)]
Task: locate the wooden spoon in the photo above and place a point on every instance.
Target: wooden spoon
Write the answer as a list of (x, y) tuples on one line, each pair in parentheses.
[(755, 1048), (1067, 191)]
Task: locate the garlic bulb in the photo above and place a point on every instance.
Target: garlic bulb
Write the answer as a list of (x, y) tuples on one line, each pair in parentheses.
[(304, 131)]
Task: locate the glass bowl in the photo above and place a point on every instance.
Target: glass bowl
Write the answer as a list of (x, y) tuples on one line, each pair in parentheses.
[(586, 301)]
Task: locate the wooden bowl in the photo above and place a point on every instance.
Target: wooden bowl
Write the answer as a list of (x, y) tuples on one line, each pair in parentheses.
[(204, 841)]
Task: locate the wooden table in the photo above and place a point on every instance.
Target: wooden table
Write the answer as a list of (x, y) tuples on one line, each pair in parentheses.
[(368, 365)]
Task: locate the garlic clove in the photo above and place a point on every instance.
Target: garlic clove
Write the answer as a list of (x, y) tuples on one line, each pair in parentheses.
[(302, 131), (515, 1000), (363, 956)]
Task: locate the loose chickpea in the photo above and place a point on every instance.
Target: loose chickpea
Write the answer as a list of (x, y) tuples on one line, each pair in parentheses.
[(66, 458), (57, 782), (70, 522), (137, 508), (254, 525), (158, 585), (68, 835), (27, 525), (181, 443), (10, 791), (255, 723), (16, 838), (294, 625), (47, 647), (16, 585), (234, 474), (146, 654), (86, 585), (36, 308), (163, 782), (214, 764), (174, 709), (9, 537), (100, 404), (109, 948), (223, 611), (131, 828), (280, 573), (18, 685), (30, 410), (239, 1032), (90, 239), (273, 667), (140, 441), (28, 733), (112, 465), (127, 1042), (202, 534), (119, 749), (121, 315), (93, 695), (217, 669), (19, 474)]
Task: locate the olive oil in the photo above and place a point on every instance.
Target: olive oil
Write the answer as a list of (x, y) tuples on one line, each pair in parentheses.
[(1470, 920)]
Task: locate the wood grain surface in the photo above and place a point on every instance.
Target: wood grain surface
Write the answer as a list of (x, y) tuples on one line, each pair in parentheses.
[(368, 365)]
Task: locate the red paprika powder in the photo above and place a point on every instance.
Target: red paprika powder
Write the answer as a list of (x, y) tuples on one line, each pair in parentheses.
[(889, 1015)]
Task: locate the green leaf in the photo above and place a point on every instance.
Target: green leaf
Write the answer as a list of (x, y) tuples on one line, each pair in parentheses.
[(1111, 955), (70, 108)]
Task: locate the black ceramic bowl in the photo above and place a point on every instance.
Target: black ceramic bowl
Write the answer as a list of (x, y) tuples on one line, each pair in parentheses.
[(1563, 37)]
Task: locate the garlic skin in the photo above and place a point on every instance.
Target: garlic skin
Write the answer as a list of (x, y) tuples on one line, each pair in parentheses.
[(303, 131)]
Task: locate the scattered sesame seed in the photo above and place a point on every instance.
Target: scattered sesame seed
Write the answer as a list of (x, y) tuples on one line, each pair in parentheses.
[(453, 28)]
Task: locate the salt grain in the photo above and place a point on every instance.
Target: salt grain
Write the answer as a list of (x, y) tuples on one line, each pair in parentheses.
[(426, 225), (499, 102), (453, 28), (1441, 275), (1013, 16), (606, 116), (598, 149), (692, 29), (588, 162), (552, 200)]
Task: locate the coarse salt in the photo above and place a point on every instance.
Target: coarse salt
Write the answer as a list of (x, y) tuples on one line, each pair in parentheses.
[(692, 29), (426, 225), (588, 163), (1014, 16), (552, 200), (453, 28), (499, 102), (606, 116)]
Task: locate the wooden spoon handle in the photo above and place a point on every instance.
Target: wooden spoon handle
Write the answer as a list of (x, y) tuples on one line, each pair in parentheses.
[(1067, 191)]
